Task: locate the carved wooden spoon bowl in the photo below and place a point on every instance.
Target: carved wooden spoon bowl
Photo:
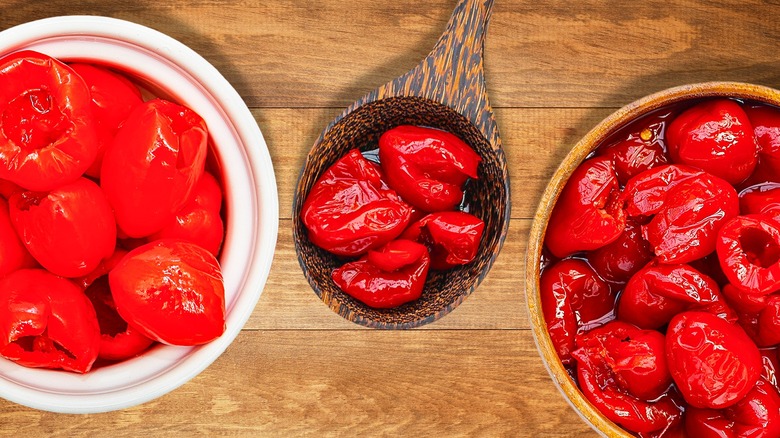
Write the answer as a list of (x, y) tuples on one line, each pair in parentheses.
[(446, 90)]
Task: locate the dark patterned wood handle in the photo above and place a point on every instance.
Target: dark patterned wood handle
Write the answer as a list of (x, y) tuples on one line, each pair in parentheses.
[(453, 72)]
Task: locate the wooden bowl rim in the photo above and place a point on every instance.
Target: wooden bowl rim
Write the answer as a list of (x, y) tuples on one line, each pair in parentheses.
[(577, 155)]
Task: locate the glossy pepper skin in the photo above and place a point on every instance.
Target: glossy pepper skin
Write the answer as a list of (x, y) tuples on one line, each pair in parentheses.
[(47, 137), (427, 166), (687, 207), (757, 415), (686, 228), (645, 194), (171, 291), (759, 315), (13, 254), (643, 148), (742, 301), (622, 370), (153, 164), (47, 322), (68, 230), (377, 286), (761, 199), (452, 237), (717, 137), (113, 98), (771, 366), (766, 128), (618, 261), (769, 322), (395, 255), (118, 340), (589, 212), (573, 297), (749, 253), (199, 220), (103, 268), (713, 362), (658, 292), (350, 209)]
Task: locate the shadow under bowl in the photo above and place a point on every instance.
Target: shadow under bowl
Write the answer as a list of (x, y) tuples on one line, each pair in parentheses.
[(486, 197)]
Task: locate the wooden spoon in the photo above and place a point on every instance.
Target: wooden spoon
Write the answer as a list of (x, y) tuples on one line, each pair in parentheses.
[(446, 91)]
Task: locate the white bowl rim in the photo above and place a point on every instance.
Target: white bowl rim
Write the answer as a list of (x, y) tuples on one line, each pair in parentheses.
[(258, 193)]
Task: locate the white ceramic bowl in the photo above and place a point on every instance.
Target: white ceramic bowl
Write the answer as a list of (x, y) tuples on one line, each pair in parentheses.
[(170, 69)]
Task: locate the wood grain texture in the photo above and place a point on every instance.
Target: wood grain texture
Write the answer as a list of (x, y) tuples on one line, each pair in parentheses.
[(453, 73), (554, 69), (547, 53), (344, 383)]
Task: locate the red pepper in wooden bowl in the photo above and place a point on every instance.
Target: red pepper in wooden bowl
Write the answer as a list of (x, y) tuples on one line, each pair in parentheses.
[(761, 199), (713, 362), (623, 371), (710, 284), (757, 415), (452, 237), (686, 208), (749, 253), (618, 261), (388, 277), (350, 209), (658, 292), (427, 166), (643, 148), (574, 298), (589, 213), (715, 136)]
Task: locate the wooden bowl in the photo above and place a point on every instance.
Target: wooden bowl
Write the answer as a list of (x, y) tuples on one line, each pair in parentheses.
[(446, 91), (604, 130)]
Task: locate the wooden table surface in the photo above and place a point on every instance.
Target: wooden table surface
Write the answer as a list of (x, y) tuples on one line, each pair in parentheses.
[(554, 69)]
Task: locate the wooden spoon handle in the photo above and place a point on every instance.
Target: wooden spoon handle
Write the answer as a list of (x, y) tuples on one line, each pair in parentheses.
[(453, 72)]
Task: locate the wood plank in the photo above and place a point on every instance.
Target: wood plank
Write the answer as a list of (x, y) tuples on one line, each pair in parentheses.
[(535, 141), (554, 69), (288, 301), (545, 53), (290, 383)]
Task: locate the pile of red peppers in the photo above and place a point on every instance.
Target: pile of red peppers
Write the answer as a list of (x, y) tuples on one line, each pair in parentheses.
[(660, 279), (109, 222), (394, 220)]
